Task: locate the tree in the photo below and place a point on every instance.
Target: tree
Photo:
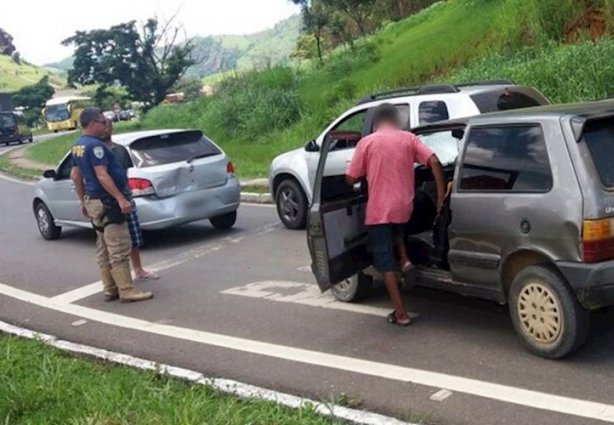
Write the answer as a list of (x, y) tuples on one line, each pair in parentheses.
[(34, 96), (357, 10), (147, 61), (315, 19)]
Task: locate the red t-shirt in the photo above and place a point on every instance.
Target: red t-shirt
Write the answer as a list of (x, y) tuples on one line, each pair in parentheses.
[(386, 158)]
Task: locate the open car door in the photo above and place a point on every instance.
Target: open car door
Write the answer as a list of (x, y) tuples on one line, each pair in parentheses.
[(336, 231)]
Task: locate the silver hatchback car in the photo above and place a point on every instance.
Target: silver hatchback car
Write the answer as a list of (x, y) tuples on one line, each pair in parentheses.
[(179, 176)]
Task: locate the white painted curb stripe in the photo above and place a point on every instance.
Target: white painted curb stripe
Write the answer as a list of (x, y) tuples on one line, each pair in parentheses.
[(227, 386), (489, 390)]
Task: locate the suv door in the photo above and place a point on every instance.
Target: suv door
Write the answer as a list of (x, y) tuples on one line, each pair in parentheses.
[(62, 196)]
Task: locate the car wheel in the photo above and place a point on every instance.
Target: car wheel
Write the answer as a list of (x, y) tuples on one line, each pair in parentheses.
[(546, 314), (223, 222), (45, 222), (291, 204), (353, 289)]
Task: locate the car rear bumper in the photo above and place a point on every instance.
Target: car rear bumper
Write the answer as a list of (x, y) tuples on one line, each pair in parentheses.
[(592, 283), (158, 213), (11, 139)]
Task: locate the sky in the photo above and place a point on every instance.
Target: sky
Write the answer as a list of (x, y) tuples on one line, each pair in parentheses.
[(38, 27)]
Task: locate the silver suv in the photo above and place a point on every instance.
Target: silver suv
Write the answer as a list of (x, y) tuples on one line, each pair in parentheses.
[(292, 174), (529, 220)]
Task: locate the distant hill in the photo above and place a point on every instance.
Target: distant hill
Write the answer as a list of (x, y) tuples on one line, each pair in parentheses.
[(227, 52)]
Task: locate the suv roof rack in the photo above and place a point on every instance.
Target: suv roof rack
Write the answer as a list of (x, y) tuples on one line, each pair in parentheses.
[(497, 82), (410, 91)]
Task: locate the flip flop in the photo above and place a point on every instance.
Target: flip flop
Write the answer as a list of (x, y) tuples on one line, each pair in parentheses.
[(392, 319), (147, 276)]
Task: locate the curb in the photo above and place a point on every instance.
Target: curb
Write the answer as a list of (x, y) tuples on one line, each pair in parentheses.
[(256, 198), (239, 389)]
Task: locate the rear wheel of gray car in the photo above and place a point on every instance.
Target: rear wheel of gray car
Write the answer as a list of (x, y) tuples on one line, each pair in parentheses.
[(546, 314), (291, 204), (45, 222), (353, 289), (223, 222)]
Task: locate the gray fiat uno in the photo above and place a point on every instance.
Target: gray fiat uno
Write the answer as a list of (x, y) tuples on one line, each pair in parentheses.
[(529, 220)]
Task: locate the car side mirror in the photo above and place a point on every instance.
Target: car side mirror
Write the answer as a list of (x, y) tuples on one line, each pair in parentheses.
[(312, 146), (49, 174)]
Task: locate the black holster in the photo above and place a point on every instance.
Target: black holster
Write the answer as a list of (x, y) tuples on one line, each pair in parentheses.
[(112, 213)]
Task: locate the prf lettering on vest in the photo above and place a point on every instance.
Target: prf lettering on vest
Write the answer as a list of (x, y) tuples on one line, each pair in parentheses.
[(78, 150)]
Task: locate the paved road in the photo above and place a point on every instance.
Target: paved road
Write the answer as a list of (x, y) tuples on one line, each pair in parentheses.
[(242, 305)]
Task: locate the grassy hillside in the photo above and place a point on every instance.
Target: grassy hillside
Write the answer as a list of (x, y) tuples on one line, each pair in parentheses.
[(560, 46), (14, 76)]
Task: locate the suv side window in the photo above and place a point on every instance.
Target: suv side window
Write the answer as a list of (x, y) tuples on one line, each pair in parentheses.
[(348, 132), (433, 111), (506, 159)]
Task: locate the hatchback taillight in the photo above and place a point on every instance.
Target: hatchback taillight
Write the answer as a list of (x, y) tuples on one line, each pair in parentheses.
[(230, 168), (598, 240), (140, 187)]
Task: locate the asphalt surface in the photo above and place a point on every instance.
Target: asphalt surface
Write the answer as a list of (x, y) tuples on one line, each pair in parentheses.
[(208, 284)]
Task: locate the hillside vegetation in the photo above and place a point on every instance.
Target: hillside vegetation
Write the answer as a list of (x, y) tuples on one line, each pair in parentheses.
[(217, 54), (14, 76), (563, 47)]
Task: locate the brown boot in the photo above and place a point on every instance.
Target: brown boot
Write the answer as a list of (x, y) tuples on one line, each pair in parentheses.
[(127, 292), (111, 293)]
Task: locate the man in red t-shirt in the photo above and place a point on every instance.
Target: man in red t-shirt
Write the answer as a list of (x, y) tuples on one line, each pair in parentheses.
[(386, 159)]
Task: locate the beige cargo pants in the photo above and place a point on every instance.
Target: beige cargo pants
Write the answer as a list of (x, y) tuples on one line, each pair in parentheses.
[(113, 248)]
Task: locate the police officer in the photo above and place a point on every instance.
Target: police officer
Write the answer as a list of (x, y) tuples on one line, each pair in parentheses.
[(99, 181)]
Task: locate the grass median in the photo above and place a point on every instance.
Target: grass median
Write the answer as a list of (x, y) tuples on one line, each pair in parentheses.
[(42, 385)]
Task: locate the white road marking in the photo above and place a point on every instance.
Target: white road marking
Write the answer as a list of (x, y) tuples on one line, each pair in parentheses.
[(441, 395), (190, 255), (301, 293), (239, 389), (489, 390)]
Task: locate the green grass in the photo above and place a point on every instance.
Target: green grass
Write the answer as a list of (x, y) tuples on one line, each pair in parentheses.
[(41, 385), (21, 173), (255, 189), (13, 76), (52, 151)]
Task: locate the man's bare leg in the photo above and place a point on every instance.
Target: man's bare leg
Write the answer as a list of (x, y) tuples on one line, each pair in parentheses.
[(137, 265), (391, 280), (403, 255)]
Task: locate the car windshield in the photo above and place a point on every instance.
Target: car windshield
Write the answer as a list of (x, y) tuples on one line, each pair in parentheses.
[(443, 144), (7, 121), (599, 137), (55, 113), (172, 147)]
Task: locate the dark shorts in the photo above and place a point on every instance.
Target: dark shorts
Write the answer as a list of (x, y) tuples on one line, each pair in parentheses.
[(135, 229), (382, 245)]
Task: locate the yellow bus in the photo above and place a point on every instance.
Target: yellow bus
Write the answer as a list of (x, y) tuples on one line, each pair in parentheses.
[(62, 113)]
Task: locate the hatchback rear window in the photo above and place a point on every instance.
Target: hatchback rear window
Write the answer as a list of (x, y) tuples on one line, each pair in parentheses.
[(599, 137), (172, 147), (506, 100)]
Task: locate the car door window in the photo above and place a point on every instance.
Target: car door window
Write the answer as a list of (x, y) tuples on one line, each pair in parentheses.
[(64, 169), (506, 159)]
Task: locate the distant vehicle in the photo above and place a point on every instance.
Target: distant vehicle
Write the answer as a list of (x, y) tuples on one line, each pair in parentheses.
[(124, 115), (13, 128), (528, 221), (111, 115), (179, 176), (292, 174), (62, 113)]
